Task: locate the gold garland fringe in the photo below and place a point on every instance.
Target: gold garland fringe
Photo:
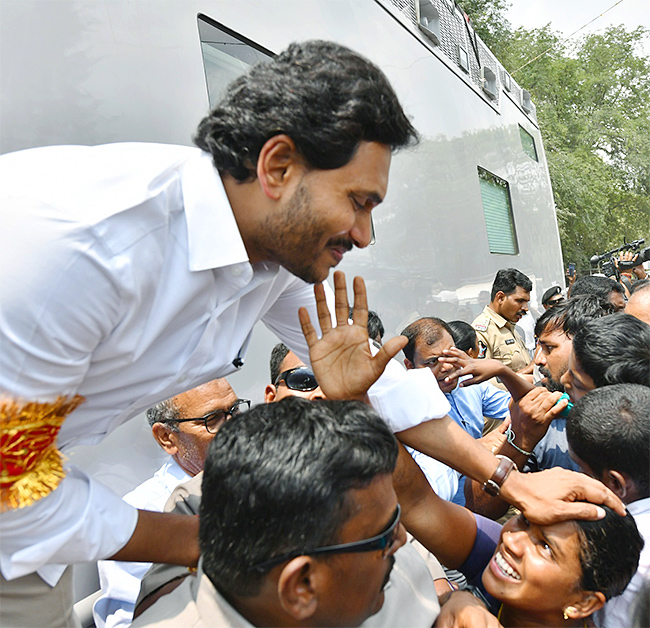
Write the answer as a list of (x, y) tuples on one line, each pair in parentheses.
[(31, 466)]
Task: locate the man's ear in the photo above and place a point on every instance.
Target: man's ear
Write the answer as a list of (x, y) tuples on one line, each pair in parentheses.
[(278, 161), (270, 393), (165, 438), (619, 483), (298, 588), (589, 602), (408, 364), (500, 296)]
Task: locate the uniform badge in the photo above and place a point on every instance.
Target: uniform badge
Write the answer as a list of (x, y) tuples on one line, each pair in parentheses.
[(510, 341), (482, 349), (482, 325)]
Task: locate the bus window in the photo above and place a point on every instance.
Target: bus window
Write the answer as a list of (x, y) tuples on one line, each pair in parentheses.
[(226, 55)]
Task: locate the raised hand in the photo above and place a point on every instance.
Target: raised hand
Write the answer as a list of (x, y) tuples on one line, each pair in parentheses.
[(341, 358)]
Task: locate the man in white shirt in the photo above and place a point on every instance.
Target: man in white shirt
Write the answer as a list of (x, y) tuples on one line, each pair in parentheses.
[(609, 437), (183, 426), (132, 272)]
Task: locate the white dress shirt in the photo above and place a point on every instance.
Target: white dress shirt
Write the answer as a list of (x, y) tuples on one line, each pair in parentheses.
[(616, 613), (124, 279), (120, 580)]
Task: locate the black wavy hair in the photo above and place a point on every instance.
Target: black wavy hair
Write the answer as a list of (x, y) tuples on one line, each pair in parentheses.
[(609, 552), (507, 280), (277, 479), (324, 96), (609, 428), (614, 350), (570, 316)]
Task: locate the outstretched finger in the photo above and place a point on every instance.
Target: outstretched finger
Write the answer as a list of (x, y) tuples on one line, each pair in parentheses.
[(342, 306), (308, 330), (360, 307), (324, 316)]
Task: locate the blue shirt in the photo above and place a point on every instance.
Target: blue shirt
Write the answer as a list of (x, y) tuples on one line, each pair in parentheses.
[(552, 450), (469, 406)]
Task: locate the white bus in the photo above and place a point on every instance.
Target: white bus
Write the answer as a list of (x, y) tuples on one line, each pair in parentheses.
[(474, 196)]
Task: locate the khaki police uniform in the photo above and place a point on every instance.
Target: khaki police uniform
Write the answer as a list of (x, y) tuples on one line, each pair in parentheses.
[(498, 339)]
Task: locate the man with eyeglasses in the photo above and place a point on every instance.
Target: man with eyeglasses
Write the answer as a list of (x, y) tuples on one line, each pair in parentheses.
[(276, 552), (184, 427)]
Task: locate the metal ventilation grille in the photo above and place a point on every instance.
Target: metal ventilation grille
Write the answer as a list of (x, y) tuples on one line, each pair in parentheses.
[(454, 33)]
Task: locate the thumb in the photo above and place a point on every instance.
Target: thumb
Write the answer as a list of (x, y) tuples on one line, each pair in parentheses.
[(388, 351)]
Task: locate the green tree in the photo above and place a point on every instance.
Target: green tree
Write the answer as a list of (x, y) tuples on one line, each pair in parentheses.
[(593, 106)]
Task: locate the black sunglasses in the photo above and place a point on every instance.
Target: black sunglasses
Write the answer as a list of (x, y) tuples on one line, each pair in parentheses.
[(213, 420), (300, 378), (386, 542)]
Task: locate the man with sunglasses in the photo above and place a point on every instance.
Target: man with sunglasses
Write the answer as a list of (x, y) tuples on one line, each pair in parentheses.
[(276, 552), (184, 427), (290, 377)]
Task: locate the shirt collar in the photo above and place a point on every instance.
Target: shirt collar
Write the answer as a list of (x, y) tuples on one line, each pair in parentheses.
[(212, 606), (498, 319), (640, 506), (214, 240)]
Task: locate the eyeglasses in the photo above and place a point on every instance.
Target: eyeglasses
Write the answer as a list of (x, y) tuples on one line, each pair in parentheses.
[(213, 420), (386, 542), (553, 302), (300, 378)]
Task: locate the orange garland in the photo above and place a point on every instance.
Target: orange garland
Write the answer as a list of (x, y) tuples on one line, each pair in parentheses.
[(31, 466)]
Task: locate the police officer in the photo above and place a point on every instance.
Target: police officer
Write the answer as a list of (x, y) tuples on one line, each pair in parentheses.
[(495, 326)]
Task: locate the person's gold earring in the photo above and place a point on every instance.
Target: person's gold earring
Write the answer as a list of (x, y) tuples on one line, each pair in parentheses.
[(567, 610)]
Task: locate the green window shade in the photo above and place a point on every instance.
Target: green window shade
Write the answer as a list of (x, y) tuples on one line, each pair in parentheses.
[(528, 143), (498, 214)]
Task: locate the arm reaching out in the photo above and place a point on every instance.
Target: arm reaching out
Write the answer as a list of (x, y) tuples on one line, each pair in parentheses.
[(483, 370)]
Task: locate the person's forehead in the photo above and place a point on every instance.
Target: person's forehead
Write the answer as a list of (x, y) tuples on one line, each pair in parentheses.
[(371, 509), (578, 374), (365, 174), (214, 395), (425, 351), (290, 361), (521, 293), (554, 337), (563, 535)]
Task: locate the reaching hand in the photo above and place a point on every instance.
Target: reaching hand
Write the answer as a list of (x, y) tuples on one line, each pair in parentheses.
[(558, 495), (495, 439), (341, 359), (480, 369), (462, 610), (532, 415)]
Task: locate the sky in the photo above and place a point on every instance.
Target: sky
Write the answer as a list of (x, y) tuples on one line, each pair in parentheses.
[(568, 16)]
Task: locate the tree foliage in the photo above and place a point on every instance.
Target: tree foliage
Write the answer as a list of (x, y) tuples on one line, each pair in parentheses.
[(593, 106)]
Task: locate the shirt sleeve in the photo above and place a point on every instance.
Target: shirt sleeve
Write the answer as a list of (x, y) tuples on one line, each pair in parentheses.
[(282, 317), (406, 398), (442, 479), (85, 521), (495, 402), (62, 294)]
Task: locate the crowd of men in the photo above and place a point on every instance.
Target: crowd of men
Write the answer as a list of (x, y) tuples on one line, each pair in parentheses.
[(117, 300)]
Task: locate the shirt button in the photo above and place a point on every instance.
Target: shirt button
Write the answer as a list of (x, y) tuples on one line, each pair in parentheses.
[(237, 271), (182, 379)]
